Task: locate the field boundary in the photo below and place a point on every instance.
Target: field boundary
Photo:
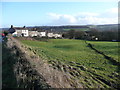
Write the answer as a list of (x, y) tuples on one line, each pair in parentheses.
[(105, 56)]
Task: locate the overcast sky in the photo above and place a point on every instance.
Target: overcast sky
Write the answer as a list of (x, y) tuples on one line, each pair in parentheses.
[(58, 13)]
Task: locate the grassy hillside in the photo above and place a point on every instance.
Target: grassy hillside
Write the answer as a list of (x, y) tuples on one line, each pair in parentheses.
[(75, 57)]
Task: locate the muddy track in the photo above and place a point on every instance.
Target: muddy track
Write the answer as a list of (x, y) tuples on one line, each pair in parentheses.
[(33, 72)]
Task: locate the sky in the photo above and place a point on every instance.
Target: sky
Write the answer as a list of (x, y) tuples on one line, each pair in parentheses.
[(58, 13)]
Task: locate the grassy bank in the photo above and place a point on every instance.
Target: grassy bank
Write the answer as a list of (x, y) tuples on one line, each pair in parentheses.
[(8, 61)]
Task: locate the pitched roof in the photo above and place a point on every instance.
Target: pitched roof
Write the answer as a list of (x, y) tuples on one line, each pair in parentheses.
[(11, 30), (20, 28)]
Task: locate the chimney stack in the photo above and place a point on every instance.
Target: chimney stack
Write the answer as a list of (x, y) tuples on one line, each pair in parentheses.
[(24, 27)]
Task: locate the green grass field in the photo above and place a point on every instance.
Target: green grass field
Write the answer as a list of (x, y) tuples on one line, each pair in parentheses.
[(109, 48), (91, 68)]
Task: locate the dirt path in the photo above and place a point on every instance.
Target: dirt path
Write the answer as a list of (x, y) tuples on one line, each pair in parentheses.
[(49, 76)]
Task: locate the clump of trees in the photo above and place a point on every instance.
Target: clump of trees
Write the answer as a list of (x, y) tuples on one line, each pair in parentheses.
[(106, 35), (72, 34)]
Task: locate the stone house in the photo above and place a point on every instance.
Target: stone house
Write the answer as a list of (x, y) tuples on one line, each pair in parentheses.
[(54, 35), (23, 31), (50, 35), (20, 31), (33, 33), (42, 34)]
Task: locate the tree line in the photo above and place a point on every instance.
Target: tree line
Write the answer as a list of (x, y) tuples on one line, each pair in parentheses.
[(92, 34)]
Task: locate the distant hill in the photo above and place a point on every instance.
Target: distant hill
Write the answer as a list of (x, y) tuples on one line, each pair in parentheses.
[(4, 28), (78, 27), (75, 27), (105, 27), (60, 28)]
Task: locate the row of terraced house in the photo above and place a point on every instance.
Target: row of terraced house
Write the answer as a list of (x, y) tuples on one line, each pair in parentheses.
[(25, 32)]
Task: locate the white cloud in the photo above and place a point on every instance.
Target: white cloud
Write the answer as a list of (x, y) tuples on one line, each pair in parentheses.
[(110, 16), (68, 18), (113, 10), (62, 19), (87, 14), (54, 15), (111, 13)]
